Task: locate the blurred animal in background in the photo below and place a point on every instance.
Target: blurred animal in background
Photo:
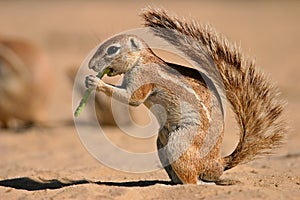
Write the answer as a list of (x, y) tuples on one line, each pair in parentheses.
[(25, 84)]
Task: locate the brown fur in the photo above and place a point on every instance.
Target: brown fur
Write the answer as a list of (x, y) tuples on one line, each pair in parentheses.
[(192, 148), (254, 100), (25, 83), (142, 93), (182, 92)]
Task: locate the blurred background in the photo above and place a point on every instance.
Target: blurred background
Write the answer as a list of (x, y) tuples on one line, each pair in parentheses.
[(66, 31), (53, 37)]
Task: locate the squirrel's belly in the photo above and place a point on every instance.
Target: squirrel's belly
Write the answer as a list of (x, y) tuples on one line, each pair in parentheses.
[(172, 112)]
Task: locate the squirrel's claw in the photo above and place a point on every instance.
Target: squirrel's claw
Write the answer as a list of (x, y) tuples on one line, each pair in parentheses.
[(91, 82)]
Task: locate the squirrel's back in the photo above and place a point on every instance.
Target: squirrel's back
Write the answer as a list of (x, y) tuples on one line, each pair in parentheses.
[(25, 82), (254, 100)]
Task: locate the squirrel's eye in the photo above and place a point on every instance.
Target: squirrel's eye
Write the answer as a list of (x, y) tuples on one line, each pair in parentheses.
[(112, 50)]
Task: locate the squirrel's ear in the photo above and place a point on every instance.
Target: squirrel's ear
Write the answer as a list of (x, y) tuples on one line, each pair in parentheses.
[(134, 43)]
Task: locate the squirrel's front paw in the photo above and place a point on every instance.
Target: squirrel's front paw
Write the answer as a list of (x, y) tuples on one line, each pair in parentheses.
[(92, 82)]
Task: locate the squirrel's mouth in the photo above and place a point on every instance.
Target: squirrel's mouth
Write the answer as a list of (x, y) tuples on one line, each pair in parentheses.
[(107, 71), (110, 72)]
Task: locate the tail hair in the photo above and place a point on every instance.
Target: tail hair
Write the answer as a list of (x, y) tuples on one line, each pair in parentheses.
[(255, 101)]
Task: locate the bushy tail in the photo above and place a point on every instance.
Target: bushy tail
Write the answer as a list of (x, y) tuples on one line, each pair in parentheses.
[(255, 102)]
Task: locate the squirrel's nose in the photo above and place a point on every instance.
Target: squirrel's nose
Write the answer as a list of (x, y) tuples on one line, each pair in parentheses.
[(92, 65)]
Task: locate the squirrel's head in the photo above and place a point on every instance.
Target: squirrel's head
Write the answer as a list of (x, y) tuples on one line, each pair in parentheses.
[(118, 54)]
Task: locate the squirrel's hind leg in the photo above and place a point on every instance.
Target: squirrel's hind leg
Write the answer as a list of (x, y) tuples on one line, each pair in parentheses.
[(182, 168), (165, 162), (183, 149)]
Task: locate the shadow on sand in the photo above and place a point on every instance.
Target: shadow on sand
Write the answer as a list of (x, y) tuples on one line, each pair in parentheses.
[(25, 183)]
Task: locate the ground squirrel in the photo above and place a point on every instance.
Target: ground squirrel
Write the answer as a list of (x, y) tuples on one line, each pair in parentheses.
[(189, 99), (25, 83)]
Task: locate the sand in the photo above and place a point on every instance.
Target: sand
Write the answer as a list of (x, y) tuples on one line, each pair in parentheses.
[(52, 163)]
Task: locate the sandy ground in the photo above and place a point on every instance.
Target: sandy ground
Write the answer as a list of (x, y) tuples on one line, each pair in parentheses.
[(53, 164)]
